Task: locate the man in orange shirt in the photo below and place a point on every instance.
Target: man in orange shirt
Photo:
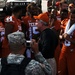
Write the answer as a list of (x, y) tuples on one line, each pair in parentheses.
[(67, 56), (30, 27), (29, 20), (63, 5), (55, 26), (12, 24)]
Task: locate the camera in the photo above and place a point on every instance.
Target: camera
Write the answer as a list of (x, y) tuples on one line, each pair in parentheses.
[(28, 43)]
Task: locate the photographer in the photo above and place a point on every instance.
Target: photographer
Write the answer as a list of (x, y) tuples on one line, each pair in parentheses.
[(17, 46)]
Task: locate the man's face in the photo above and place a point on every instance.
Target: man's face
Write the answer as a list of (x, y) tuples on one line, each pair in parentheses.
[(70, 8), (64, 15), (34, 11), (72, 18), (64, 6), (39, 24)]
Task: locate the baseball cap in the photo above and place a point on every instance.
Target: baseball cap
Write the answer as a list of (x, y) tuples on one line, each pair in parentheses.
[(43, 16), (16, 38)]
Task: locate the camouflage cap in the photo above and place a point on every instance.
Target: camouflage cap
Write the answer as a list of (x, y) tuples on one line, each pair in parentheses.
[(16, 38)]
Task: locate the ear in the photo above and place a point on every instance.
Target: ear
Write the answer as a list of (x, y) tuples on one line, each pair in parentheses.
[(23, 49), (23, 45)]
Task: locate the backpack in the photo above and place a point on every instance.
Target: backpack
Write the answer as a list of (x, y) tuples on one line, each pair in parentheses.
[(14, 69)]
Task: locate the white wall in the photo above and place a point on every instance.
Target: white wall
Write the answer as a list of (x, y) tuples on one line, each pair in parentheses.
[(44, 5)]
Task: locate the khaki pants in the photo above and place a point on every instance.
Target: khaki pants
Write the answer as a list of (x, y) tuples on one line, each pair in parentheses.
[(52, 62)]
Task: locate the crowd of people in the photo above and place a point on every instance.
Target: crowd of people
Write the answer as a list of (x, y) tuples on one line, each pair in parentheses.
[(47, 38)]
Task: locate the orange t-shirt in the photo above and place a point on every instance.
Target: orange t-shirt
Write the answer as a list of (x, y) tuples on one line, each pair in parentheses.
[(57, 24), (31, 28), (26, 20), (17, 27)]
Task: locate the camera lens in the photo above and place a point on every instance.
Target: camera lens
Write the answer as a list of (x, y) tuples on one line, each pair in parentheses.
[(28, 43)]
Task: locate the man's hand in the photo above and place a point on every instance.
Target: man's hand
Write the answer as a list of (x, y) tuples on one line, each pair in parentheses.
[(34, 46)]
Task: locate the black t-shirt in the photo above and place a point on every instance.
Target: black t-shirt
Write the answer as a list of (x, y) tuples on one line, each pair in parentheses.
[(48, 42)]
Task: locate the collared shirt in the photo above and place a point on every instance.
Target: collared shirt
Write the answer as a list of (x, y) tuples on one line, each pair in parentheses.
[(35, 67)]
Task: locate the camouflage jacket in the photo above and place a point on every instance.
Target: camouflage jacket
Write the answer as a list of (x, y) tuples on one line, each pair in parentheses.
[(35, 67)]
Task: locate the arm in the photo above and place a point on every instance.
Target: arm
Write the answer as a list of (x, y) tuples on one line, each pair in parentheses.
[(43, 63), (71, 29), (67, 37), (61, 37), (68, 33), (61, 34)]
